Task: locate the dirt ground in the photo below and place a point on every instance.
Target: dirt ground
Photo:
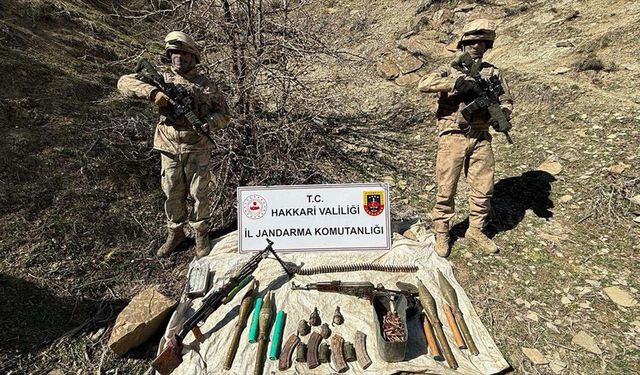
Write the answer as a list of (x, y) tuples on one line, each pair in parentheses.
[(81, 204)]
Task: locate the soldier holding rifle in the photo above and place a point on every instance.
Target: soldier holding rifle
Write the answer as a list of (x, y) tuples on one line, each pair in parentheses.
[(464, 142), (184, 147)]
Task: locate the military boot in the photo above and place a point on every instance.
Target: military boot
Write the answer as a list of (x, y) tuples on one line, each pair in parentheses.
[(202, 244), (442, 244), (481, 239), (174, 238)]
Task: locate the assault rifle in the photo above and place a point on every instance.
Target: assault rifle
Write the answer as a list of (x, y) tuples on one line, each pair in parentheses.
[(487, 91), (180, 101), (171, 356), (360, 289)]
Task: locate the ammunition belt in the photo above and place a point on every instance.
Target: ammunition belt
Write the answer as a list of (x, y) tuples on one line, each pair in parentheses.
[(404, 268)]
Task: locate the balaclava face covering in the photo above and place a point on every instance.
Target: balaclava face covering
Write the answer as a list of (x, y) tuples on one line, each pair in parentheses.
[(182, 62)]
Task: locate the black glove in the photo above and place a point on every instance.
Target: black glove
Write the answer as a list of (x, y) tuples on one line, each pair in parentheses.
[(495, 124), (465, 85)]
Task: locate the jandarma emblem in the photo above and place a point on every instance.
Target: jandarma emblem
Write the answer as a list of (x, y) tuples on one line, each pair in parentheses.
[(373, 202), (254, 206)]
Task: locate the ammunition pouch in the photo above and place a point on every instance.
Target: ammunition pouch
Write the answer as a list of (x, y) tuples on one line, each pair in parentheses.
[(475, 107)]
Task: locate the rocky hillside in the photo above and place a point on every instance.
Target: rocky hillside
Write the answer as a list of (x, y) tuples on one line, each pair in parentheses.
[(81, 202)]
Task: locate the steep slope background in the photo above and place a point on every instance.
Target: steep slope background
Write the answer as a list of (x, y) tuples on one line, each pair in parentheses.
[(81, 203)]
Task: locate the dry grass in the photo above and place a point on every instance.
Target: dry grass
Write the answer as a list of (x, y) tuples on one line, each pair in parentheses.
[(81, 204)]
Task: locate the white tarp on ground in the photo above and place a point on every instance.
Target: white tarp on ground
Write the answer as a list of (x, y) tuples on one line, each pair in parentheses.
[(207, 357)]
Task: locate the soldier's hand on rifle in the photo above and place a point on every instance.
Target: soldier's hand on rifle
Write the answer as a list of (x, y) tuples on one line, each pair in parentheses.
[(465, 84), (161, 99), (505, 126)]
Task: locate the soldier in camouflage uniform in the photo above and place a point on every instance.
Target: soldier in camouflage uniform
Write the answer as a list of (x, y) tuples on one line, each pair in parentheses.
[(464, 145), (184, 152)]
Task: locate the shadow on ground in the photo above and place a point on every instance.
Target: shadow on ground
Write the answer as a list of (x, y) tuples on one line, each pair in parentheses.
[(512, 197), (33, 316)]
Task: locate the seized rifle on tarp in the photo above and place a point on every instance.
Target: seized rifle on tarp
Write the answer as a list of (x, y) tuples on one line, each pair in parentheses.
[(171, 356), (360, 289), (180, 101), (487, 90)]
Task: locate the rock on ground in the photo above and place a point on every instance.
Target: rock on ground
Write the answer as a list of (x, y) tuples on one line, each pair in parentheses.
[(140, 320), (620, 296), (552, 166), (535, 356), (586, 341)]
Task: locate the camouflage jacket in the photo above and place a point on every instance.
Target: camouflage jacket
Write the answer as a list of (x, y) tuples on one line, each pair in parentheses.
[(450, 103), (179, 137)]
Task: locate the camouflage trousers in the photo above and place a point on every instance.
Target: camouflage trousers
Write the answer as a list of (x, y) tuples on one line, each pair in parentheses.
[(185, 174), (472, 153)]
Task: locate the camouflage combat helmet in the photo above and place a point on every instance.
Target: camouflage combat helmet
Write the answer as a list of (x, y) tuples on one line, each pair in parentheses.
[(480, 29), (179, 41)]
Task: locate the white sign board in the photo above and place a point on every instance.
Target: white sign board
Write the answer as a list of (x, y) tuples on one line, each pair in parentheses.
[(314, 217)]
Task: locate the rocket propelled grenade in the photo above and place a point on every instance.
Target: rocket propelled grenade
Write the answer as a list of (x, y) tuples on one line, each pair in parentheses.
[(452, 298), (265, 317), (429, 305), (243, 314)]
